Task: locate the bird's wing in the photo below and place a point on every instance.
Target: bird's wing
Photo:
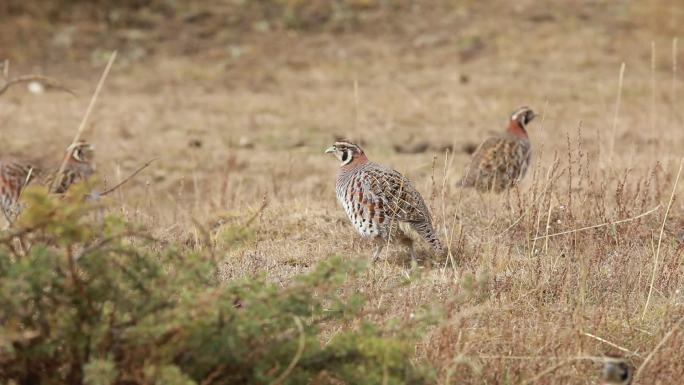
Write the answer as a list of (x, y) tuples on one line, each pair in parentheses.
[(20, 171), (493, 156), (395, 193)]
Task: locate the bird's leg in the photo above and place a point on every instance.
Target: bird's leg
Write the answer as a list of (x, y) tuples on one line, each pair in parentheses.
[(378, 249), (412, 250), (408, 242)]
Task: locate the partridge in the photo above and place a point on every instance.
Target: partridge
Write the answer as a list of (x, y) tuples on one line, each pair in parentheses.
[(78, 166), (380, 202), (16, 174), (501, 161), (616, 371)]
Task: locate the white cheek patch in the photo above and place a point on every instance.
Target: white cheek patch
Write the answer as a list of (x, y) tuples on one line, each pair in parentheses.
[(516, 114), (346, 157)]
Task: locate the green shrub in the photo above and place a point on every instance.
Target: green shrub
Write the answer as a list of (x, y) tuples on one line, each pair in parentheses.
[(90, 299)]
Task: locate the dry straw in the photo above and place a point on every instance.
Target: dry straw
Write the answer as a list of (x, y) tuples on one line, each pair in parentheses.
[(605, 341), (660, 239), (657, 348), (674, 72), (81, 127), (654, 117), (600, 225), (617, 111)]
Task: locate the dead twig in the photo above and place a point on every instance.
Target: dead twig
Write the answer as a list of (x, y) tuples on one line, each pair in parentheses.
[(660, 239), (264, 203), (600, 225), (136, 172), (57, 180), (605, 341), (298, 354), (35, 78)]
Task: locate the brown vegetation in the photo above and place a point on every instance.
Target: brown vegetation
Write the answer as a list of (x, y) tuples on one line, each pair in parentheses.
[(584, 258)]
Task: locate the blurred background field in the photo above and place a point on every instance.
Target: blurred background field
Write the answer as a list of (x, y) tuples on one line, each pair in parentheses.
[(238, 99)]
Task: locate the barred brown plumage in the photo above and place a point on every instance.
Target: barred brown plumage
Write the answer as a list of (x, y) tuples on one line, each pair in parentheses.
[(502, 161), (16, 174), (380, 201)]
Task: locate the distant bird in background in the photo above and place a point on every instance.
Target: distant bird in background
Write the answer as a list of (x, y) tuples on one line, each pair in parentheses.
[(380, 202), (616, 371), (501, 161), (16, 174)]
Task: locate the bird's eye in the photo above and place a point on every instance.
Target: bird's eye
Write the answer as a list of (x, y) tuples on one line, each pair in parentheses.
[(345, 156)]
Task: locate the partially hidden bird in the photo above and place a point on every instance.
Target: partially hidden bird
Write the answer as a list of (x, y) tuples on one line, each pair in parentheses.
[(616, 371), (16, 174)]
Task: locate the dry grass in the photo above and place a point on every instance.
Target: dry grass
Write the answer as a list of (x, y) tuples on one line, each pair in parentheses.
[(239, 133)]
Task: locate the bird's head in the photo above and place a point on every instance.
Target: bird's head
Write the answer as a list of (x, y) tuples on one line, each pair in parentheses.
[(616, 371), (520, 118), (80, 152), (523, 115), (346, 152)]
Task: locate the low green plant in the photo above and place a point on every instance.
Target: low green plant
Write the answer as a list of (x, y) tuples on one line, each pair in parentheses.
[(86, 298)]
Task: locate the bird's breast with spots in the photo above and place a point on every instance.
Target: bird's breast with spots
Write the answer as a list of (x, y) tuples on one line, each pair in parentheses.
[(360, 219), (361, 211)]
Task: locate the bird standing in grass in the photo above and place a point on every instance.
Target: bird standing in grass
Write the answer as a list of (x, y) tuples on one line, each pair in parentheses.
[(15, 175), (616, 371), (380, 202), (502, 161)]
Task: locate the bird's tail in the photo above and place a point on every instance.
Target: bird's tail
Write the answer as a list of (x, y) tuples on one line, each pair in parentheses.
[(428, 233)]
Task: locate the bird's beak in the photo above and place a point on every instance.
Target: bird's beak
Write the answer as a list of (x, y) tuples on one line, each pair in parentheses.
[(329, 150)]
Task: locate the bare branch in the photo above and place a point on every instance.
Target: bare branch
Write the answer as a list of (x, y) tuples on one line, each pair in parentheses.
[(37, 78), (136, 172), (600, 225)]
